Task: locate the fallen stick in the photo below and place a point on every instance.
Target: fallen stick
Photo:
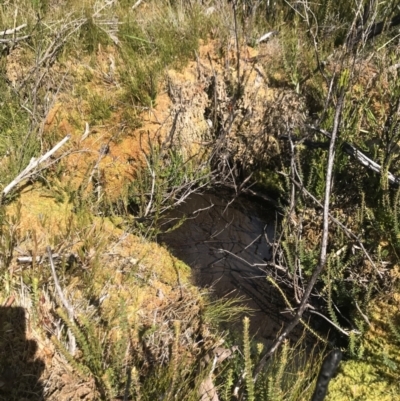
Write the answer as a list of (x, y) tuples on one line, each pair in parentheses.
[(136, 4), (14, 40), (38, 259), (12, 30), (266, 36), (30, 169), (361, 157), (64, 301)]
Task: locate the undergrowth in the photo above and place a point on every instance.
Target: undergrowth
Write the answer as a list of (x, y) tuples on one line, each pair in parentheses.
[(142, 331)]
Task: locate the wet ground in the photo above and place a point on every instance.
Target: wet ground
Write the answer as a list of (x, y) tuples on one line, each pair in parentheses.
[(227, 244)]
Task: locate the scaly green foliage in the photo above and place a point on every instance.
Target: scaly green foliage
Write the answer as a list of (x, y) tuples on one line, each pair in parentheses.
[(248, 366)]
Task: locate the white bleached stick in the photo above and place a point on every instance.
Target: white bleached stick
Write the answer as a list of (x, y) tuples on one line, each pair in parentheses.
[(266, 36), (136, 4), (33, 164), (64, 301), (13, 30)]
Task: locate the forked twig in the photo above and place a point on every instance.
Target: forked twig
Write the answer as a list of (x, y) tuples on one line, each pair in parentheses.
[(322, 260)]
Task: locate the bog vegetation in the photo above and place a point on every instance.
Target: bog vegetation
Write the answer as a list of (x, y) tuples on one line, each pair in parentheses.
[(113, 315)]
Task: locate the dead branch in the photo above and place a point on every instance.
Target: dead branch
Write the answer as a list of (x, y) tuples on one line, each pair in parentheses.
[(64, 301), (37, 259), (330, 321), (86, 133), (13, 30), (136, 4), (266, 36), (324, 243), (365, 317), (362, 158), (15, 40), (104, 149), (30, 170), (153, 182)]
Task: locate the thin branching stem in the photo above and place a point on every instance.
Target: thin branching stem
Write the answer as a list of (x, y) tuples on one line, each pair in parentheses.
[(324, 243)]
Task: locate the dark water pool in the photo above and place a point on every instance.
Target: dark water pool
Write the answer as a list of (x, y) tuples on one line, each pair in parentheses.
[(227, 244)]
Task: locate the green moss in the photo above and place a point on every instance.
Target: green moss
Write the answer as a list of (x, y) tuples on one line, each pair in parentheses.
[(360, 380), (269, 181), (100, 109), (375, 375)]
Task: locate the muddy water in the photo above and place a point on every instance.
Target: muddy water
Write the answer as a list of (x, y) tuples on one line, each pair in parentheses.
[(227, 245)]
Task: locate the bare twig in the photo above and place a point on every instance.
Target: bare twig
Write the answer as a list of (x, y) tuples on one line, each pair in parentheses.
[(324, 243), (330, 321), (365, 317), (266, 36), (14, 40), (13, 30), (137, 4), (33, 164), (86, 133), (107, 3), (64, 301), (153, 182), (37, 259), (362, 158)]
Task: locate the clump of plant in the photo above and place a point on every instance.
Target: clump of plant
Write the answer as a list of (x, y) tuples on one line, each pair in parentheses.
[(164, 179), (289, 375), (169, 38)]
